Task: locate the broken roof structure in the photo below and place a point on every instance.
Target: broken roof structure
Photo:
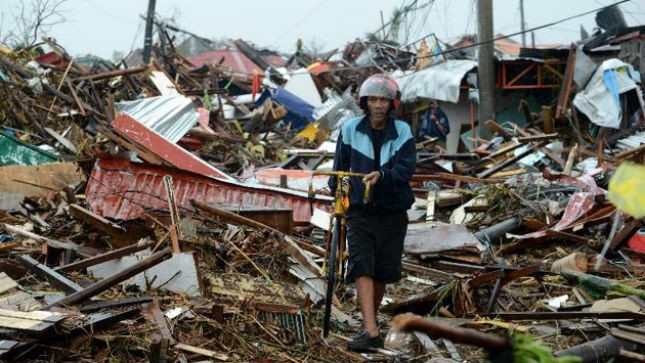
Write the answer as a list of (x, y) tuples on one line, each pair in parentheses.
[(171, 208)]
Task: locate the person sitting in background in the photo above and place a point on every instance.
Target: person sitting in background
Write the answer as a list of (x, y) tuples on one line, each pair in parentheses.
[(434, 123)]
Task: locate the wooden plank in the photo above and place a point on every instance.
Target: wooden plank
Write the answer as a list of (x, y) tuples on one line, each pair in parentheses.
[(50, 242), (174, 214), (32, 322), (101, 320), (97, 221), (100, 305), (278, 218), (6, 283), (153, 314), (27, 325), (42, 178), (201, 351), (567, 84), (52, 276), (548, 152), (110, 255), (534, 138), (513, 160), (19, 300), (62, 140), (38, 315)]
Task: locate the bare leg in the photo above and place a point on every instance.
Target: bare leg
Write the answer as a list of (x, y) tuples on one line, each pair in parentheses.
[(365, 291), (379, 291)]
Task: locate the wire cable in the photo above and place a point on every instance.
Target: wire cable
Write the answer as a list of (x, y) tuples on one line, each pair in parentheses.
[(525, 31), (290, 31)]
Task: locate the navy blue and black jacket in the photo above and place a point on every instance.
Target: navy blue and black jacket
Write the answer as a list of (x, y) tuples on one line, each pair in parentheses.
[(355, 152)]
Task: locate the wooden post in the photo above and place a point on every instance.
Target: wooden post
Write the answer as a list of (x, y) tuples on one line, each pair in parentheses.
[(174, 213)]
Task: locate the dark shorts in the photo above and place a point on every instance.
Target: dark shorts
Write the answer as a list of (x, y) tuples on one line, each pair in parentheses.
[(375, 245)]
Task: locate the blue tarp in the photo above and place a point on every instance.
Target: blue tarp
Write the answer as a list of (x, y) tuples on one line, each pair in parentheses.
[(299, 112)]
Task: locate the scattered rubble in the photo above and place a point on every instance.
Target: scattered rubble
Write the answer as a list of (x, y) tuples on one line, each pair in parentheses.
[(160, 212)]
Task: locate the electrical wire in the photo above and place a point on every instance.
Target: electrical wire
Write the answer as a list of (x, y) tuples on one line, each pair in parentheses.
[(136, 35), (470, 16), (290, 31), (525, 31)]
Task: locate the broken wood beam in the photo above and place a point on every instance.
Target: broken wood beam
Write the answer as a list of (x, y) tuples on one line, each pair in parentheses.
[(52, 276), (174, 213), (79, 103), (232, 217), (453, 178), (96, 221), (100, 305), (415, 303), (111, 74), (494, 126), (629, 333), (524, 107), (201, 351), (434, 274), (153, 314), (534, 138), (633, 356), (32, 322), (409, 322), (107, 256), (118, 277), (567, 84), (504, 276), (548, 152), (101, 320), (512, 160), (562, 315), (50, 242), (291, 247)]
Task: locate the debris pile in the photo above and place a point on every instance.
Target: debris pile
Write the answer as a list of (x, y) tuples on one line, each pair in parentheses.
[(160, 212)]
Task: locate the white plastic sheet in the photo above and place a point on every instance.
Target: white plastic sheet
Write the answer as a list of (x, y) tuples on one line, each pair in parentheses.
[(599, 100)]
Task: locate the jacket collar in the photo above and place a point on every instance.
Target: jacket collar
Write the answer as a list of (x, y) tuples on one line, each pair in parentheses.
[(390, 129)]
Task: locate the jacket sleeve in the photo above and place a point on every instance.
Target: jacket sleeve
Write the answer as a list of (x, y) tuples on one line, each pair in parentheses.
[(445, 123), (341, 161), (403, 167), (423, 125)]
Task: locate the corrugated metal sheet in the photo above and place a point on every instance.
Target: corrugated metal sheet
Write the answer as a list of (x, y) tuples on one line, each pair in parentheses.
[(440, 81), (153, 148), (631, 141), (233, 59), (124, 190), (170, 116), (336, 110)]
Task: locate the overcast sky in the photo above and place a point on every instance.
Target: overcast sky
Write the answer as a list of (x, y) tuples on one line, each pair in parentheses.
[(103, 26)]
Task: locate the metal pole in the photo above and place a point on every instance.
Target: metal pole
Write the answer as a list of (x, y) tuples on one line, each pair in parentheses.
[(486, 66), (147, 40), (523, 26)]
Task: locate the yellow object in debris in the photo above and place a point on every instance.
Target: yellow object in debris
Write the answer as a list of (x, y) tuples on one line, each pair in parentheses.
[(626, 189), (309, 132), (5, 50), (256, 150), (500, 324)]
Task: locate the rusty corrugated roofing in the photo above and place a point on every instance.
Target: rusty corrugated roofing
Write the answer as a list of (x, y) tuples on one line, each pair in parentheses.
[(121, 189)]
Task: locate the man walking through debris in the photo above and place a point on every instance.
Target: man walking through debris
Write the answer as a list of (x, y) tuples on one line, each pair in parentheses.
[(434, 123), (383, 148)]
